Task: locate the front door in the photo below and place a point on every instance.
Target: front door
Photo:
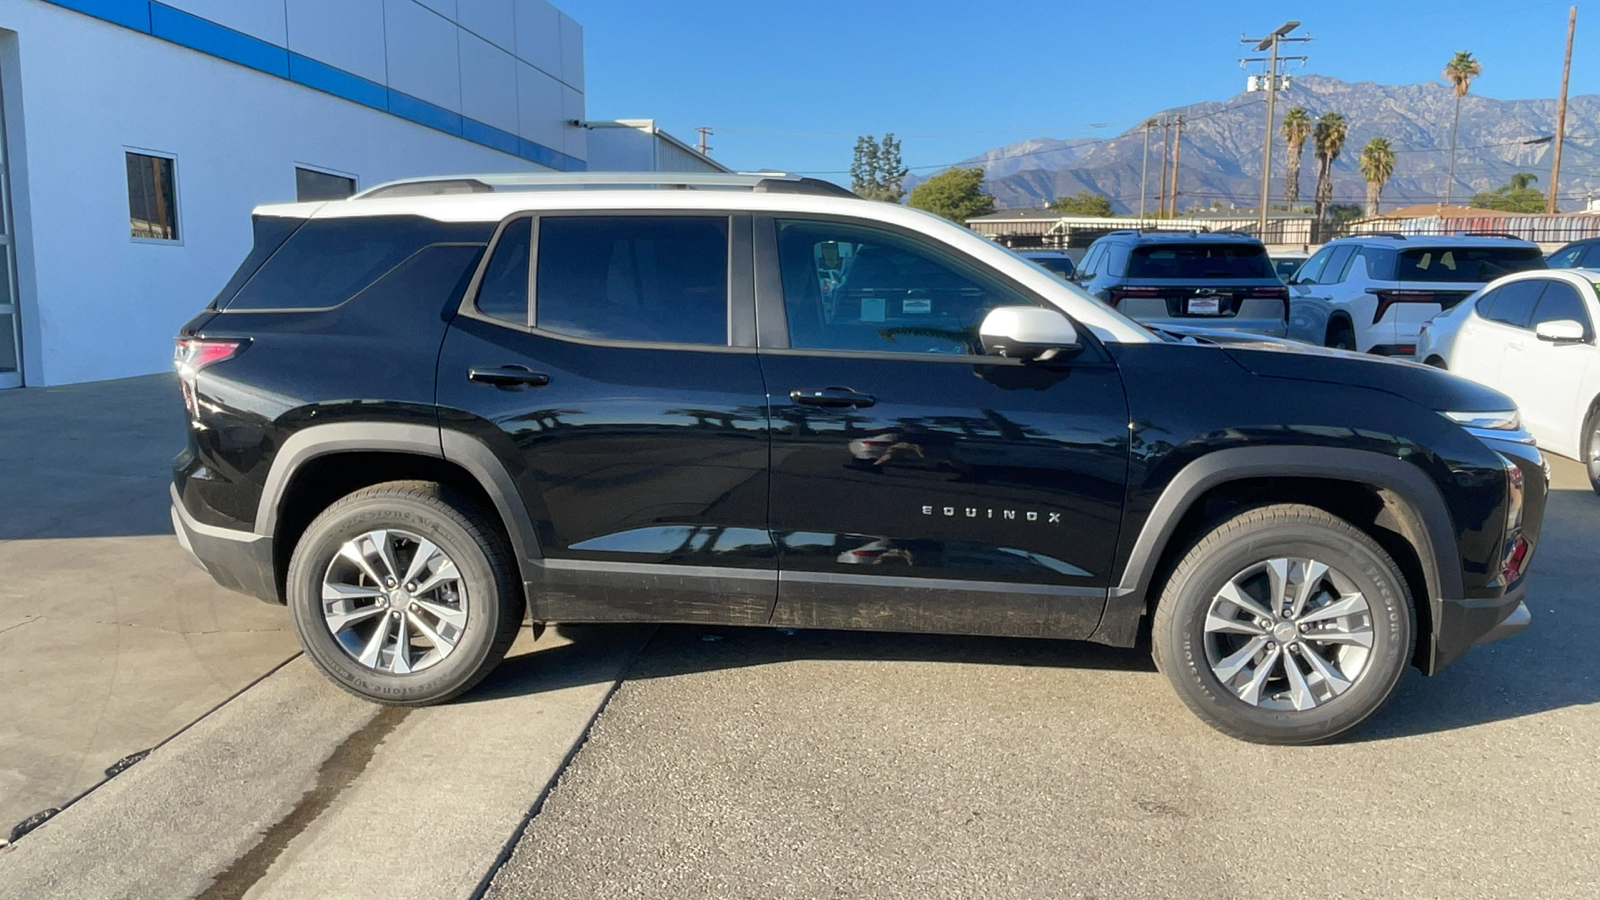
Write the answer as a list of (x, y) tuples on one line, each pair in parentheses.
[(917, 484), (1545, 378), (636, 431)]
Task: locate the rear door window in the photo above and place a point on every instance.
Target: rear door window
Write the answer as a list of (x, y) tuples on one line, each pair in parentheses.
[(503, 294), (1591, 257), (1465, 264), (1514, 303), (1199, 260), (1312, 270), (1567, 257), (658, 279)]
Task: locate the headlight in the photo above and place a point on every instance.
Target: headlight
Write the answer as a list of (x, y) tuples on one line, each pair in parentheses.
[(1501, 420), (1493, 425)]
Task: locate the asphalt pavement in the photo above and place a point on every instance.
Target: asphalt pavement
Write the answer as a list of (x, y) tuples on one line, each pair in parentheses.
[(752, 763)]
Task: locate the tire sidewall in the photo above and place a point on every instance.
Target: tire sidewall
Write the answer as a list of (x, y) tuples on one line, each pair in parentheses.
[(1392, 621), (317, 548)]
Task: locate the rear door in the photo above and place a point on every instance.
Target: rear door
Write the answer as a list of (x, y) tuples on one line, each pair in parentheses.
[(1503, 317), (918, 484), (1311, 300), (625, 399)]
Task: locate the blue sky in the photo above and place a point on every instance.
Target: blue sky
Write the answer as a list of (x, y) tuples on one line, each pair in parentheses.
[(789, 85)]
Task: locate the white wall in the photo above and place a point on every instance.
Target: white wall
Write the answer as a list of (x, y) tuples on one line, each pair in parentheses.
[(96, 303)]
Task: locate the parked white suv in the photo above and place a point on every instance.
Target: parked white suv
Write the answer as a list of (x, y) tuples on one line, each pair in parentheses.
[(1373, 292), (1532, 336)]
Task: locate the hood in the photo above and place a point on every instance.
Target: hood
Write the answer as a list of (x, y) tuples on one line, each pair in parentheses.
[(1427, 386)]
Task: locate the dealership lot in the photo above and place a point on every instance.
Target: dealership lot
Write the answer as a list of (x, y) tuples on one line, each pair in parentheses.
[(728, 762)]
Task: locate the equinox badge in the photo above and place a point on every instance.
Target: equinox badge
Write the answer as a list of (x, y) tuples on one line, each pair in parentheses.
[(974, 512)]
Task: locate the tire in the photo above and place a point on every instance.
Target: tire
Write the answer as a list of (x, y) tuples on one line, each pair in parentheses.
[(459, 619), (1341, 335), (1215, 671), (1589, 445)]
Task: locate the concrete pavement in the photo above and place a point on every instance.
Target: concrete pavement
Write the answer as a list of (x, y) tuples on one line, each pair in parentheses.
[(110, 639)]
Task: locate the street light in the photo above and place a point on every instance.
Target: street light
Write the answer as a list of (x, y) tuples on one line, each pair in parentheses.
[(1283, 29)]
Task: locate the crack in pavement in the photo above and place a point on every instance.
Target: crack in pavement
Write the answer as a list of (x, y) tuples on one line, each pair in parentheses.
[(159, 628)]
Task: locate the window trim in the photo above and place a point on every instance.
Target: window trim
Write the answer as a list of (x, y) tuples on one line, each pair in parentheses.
[(741, 308), (772, 319), (177, 197), (354, 179)]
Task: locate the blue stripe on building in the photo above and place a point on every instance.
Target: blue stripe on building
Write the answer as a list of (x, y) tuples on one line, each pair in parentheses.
[(205, 36)]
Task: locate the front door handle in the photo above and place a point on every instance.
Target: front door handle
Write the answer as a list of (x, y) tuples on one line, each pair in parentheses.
[(508, 377), (835, 397)]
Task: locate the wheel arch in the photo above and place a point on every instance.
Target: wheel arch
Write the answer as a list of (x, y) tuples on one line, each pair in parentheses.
[(317, 465), (1393, 501)]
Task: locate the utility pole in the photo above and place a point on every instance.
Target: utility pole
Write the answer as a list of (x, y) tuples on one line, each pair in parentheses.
[(705, 132), (1177, 149), (1561, 113), (1161, 195), (1270, 42), (1144, 166)]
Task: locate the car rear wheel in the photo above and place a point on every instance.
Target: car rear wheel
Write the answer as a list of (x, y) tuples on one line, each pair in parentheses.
[(1284, 625), (402, 593), (1341, 335), (1591, 448)]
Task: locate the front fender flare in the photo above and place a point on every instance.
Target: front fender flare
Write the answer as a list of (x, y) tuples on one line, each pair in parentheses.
[(1436, 545)]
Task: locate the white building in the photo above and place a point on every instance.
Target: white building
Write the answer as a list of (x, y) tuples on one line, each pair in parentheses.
[(139, 134), (637, 145)]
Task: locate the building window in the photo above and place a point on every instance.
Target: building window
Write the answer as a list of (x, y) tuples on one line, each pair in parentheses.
[(310, 185), (152, 197)]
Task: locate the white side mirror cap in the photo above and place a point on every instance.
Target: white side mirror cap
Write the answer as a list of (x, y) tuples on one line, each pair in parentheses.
[(1028, 332), (1561, 331)]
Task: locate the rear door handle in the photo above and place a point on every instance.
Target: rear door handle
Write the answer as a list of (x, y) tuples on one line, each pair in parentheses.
[(835, 397), (509, 377)]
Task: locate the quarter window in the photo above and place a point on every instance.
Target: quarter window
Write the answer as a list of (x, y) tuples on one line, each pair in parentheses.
[(634, 278), (504, 291), (326, 261), (848, 287), (152, 197), (1333, 267), (311, 185)]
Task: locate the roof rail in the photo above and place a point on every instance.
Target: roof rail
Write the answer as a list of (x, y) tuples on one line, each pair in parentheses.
[(757, 182), (1383, 234), (1494, 234), (1190, 230)]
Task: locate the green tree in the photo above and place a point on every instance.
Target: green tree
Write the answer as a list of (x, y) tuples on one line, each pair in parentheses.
[(1296, 128), (1459, 71), (1083, 203), (1377, 164), (1517, 195), (957, 194), (1328, 140), (877, 172)]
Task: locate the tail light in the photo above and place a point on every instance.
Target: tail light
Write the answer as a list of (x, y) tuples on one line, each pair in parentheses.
[(190, 355), (1279, 293), (1516, 547), (1388, 298), (1118, 294)]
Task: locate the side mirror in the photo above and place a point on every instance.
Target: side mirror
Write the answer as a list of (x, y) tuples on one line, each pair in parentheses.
[(1559, 331), (1028, 332)]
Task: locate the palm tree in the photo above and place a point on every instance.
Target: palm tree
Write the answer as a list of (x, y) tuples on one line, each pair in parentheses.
[(1459, 71), (1377, 164), (1522, 181), (1296, 128), (1328, 140)]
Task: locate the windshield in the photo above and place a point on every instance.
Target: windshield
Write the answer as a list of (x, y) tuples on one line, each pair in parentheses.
[(1468, 265), (1196, 260)]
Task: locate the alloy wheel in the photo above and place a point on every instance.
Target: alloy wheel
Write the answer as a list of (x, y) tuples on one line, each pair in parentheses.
[(1288, 634), (395, 602)]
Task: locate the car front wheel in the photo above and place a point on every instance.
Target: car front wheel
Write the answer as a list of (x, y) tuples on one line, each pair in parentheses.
[(1284, 625), (402, 593), (1590, 447)]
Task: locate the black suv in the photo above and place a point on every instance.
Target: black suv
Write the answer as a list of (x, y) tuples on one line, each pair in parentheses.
[(1188, 280), (422, 413)]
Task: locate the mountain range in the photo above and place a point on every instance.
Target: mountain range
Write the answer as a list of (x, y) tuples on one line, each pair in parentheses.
[(1220, 162)]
